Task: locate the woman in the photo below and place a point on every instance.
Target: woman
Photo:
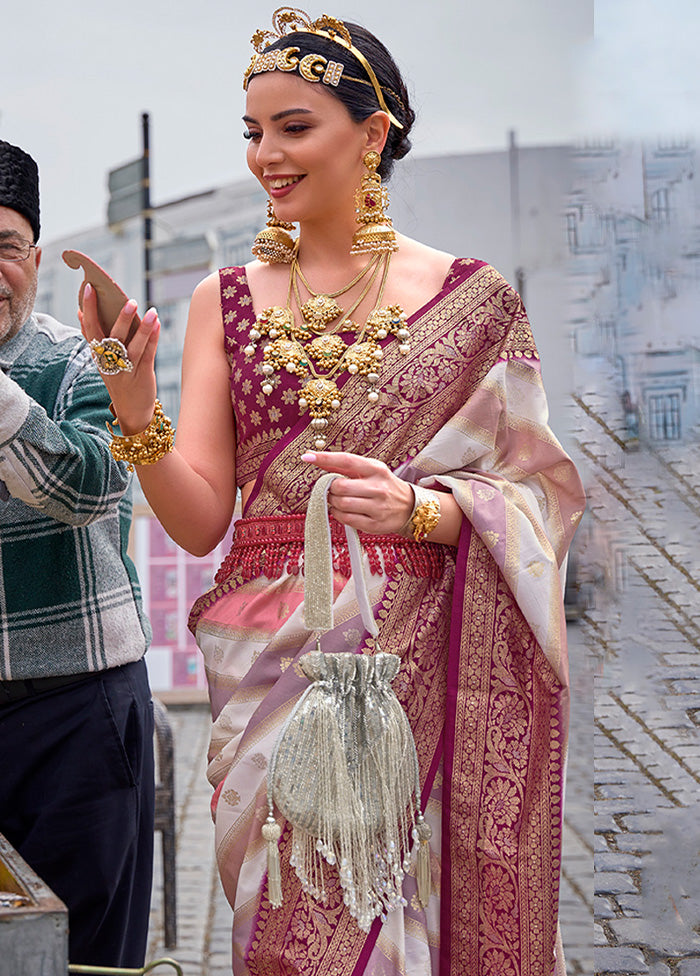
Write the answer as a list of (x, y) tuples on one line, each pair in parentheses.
[(394, 365)]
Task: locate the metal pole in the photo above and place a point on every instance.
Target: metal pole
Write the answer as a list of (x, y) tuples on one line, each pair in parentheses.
[(147, 228), (515, 212)]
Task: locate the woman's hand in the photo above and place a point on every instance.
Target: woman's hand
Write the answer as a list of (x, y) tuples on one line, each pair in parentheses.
[(369, 497), (133, 393)]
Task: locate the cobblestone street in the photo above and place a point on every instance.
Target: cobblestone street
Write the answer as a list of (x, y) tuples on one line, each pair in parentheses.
[(644, 630)]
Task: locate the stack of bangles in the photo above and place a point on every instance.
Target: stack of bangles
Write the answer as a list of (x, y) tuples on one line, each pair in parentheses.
[(148, 446), (425, 515)]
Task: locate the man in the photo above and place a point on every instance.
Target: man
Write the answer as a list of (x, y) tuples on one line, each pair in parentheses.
[(76, 720)]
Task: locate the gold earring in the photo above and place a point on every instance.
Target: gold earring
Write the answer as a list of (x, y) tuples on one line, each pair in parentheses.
[(274, 245), (375, 235)]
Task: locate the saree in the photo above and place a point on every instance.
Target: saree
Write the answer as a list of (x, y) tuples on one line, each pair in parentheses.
[(479, 628)]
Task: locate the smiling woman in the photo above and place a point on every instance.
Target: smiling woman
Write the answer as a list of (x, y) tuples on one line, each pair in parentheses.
[(414, 376)]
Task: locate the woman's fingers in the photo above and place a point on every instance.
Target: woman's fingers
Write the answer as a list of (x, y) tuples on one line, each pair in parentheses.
[(94, 328), (368, 496), (132, 390), (340, 462), (142, 345)]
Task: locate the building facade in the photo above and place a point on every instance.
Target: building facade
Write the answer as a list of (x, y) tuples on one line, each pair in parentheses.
[(633, 227)]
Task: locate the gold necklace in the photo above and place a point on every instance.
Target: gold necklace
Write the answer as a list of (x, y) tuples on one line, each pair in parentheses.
[(344, 316), (318, 361), (321, 308)]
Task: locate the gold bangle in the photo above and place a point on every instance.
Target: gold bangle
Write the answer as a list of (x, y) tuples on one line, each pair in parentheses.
[(425, 514), (148, 446), (425, 517)]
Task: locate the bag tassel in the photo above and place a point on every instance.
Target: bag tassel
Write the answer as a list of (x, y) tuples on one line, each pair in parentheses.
[(272, 832), (422, 834)]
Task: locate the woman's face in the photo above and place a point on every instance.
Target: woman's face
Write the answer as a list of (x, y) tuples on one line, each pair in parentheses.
[(304, 147)]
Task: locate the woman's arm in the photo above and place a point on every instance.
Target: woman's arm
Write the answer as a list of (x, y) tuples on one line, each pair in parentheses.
[(191, 490)]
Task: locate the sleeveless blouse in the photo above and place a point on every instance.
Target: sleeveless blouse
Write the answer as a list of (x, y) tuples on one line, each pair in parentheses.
[(261, 420)]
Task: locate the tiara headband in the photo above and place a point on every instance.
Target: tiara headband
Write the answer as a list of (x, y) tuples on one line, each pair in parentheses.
[(311, 67)]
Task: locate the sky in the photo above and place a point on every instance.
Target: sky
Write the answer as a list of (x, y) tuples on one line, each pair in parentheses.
[(76, 76), (73, 86)]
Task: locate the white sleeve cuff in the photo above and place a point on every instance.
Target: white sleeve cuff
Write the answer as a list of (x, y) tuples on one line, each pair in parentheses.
[(14, 408)]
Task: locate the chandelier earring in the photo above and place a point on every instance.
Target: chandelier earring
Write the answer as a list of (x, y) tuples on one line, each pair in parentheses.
[(274, 245), (375, 235)]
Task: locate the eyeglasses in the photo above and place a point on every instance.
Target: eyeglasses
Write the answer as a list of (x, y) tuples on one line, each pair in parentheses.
[(15, 250)]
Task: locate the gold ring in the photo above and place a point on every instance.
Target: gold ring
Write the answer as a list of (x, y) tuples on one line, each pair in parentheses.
[(110, 356)]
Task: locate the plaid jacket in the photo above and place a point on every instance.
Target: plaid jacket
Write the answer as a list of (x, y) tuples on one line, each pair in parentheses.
[(70, 600)]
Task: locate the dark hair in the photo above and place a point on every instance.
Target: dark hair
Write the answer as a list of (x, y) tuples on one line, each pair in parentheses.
[(359, 98)]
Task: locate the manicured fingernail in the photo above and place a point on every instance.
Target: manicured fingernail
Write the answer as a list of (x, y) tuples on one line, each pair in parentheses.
[(131, 305), (88, 290), (308, 456), (150, 316)]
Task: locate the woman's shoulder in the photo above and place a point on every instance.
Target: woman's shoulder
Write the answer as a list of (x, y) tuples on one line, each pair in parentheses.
[(209, 286), (422, 272), (413, 257)]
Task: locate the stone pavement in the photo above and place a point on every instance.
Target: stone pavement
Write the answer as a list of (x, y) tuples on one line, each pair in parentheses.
[(640, 558), (204, 917)]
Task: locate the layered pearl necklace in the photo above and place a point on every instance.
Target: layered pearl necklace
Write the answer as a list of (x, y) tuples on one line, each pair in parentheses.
[(316, 354)]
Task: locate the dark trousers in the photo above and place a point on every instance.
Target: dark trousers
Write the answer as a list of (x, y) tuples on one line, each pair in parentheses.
[(76, 801)]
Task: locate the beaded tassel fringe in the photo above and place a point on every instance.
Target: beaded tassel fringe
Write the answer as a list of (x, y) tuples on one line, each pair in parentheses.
[(271, 832), (346, 776)]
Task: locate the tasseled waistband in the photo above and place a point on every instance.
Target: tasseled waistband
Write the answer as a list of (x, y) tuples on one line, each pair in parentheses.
[(274, 544)]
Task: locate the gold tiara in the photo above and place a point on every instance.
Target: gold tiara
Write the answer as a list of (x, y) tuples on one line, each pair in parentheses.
[(311, 67)]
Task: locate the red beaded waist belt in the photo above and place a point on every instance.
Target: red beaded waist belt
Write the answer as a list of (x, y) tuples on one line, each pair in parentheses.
[(274, 544)]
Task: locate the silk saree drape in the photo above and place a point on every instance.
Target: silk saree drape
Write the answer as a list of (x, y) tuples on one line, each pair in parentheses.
[(479, 627)]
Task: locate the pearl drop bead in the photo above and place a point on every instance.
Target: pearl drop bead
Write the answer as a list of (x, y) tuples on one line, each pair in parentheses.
[(320, 443), (373, 377), (273, 333), (378, 354), (267, 388), (249, 350), (267, 348), (382, 333), (403, 333), (353, 368), (267, 369), (404, 349), (372, 396), (290, 367), (303, 402), (335, 404), (254, 334)]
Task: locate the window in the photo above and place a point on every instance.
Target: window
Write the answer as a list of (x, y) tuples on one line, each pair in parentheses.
[(665, 416), (660, 206)]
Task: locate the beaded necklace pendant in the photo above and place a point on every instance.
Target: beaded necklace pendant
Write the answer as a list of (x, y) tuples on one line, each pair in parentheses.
[(319, 310), (306, 350)]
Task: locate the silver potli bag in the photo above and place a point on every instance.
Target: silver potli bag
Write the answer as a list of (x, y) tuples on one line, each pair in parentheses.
[(344, 769)]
